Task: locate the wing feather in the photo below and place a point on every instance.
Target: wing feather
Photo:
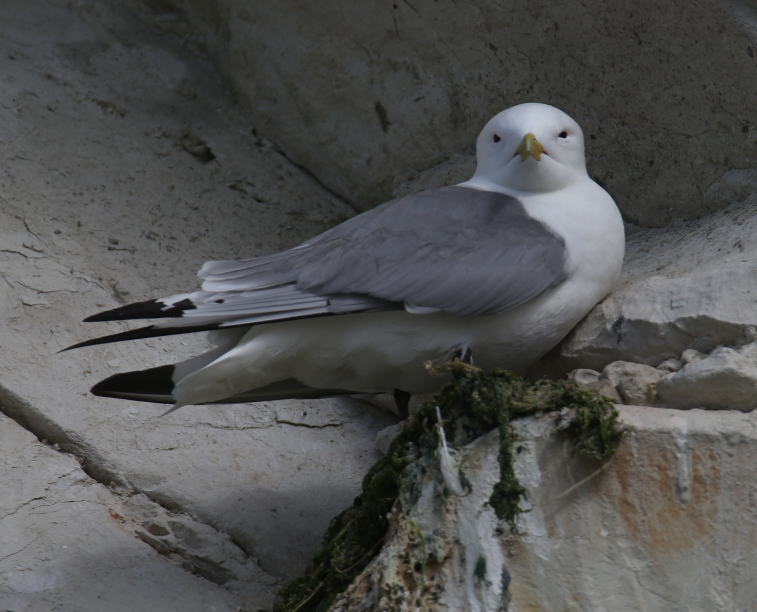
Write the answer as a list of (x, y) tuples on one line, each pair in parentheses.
[(456, 249)]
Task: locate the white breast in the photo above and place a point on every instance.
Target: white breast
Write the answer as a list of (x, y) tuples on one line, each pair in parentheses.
[(587, 219), (385, 350)]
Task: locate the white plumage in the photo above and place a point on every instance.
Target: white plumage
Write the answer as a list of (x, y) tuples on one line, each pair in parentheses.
[(502, 266)]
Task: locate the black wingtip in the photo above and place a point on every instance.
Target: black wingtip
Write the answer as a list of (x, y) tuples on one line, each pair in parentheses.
[(133, 334), (153, 385), (150, 331), (150, 309)]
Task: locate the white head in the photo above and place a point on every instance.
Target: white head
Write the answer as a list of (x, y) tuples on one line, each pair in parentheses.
[(530, 147)]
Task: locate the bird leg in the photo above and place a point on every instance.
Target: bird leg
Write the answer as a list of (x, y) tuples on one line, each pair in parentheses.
[(402, 400), (464, 355)]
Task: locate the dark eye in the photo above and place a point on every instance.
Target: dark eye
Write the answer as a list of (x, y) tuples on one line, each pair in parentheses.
[(496, 138), (563, 134)]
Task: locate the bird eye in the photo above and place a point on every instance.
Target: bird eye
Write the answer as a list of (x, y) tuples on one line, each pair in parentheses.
[(563, 134), (496, 138)]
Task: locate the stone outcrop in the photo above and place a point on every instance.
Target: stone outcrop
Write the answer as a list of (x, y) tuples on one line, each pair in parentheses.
[(690, 286), (367, 96), (665, 524), (126, 163), (444, 552), (726, 379), (68, 543)]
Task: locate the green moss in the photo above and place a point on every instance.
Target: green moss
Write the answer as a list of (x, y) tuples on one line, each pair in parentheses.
[(479, 571), (472, 404)]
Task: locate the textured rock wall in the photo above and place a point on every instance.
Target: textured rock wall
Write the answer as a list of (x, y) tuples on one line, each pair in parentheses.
[(666, 526), (124, 164), (368, 95), (67, 543), (378, 99), (689, 286)]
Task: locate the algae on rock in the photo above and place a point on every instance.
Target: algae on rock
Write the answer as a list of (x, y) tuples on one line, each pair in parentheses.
[(472, 404)]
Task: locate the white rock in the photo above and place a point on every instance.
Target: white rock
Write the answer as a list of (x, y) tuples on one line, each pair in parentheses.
[(749, 351), (458, 544), (632, 537), (725, 380), (670, 365), (692, 355), (604, 387), (403, 86), (635, 382), (592, 380), (148, 514), (193, 545), (127, 203), (386, 436), (629, 538), (68, 542), (583, 376)]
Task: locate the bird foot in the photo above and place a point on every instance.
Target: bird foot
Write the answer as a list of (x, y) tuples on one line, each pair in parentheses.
[(463, 355), (402, 400)]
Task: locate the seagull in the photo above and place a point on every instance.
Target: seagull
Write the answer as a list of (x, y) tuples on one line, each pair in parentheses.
[(495, 270)]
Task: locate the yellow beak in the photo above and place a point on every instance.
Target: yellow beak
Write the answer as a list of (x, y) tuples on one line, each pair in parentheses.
[(530, 146)]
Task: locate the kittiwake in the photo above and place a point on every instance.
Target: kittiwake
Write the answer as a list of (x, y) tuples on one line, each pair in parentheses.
[(497, 269)]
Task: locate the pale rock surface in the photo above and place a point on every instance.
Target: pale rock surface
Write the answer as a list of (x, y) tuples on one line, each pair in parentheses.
[(726, 379), (593, 380), (366, 95), (195, 546), (124, 164), (67, 543), (385, 437), (691, 356), (604, 387), (584, 376), (691, 286), (670, 365), (667, 525), (443, 554), (634, 382)]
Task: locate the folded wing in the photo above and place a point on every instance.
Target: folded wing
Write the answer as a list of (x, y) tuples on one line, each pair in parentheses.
[(458, 250)]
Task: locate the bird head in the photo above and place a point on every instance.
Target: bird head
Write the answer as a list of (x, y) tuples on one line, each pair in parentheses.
[(531, 148)]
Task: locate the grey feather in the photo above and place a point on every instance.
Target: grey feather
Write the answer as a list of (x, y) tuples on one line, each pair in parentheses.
[(287, 301), (456, 249)]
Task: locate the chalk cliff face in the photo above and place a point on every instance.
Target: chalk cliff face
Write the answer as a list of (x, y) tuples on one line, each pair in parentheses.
[(124, 164), (663, 511), (366, 95), (127, 161)]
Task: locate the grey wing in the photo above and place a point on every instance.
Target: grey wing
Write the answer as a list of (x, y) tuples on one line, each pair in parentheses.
[(455, 249), (262, 305)]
